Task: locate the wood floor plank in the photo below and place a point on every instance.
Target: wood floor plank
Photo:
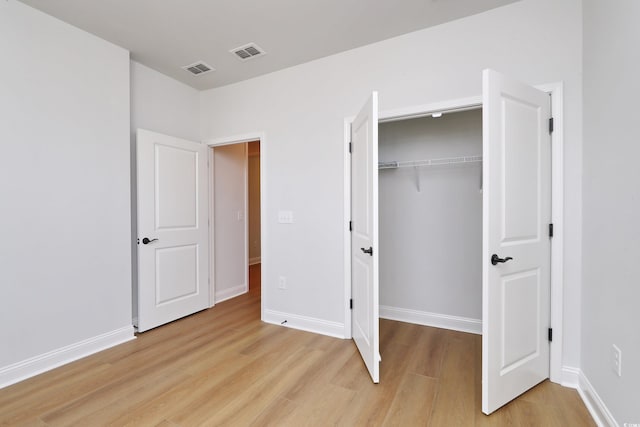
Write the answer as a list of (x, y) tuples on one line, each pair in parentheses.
[(353, 374), (413, 403), (503, 417), (369, 407), (428, 353), (373, 401), (189, 392), (455, 401), (573, 409), (42, 400), (404, 333), (276, 414), (49, 380), (245, 408), (33, 422), (104, 405), (199, 411), (223, 366), (319, 373), (123, 377), (325, 409)]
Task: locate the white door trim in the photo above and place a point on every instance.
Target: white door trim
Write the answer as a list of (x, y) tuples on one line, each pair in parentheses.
[(212, 267), (239, 139), (557, 216), (346, 228), (557, 209)]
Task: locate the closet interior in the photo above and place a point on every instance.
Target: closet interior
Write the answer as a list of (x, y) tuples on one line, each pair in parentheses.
[(430, 217)]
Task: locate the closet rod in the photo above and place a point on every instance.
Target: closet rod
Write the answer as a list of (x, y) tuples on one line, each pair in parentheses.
[(429, 162)]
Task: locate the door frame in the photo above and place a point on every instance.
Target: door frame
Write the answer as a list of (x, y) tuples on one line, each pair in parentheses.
[(557, 205), (230, 140)]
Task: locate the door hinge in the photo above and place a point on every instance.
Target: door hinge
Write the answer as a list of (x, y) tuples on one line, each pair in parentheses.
[(550, 334), (551, 125), (350, 225), (550, 230), (351, 304), (350, 148)]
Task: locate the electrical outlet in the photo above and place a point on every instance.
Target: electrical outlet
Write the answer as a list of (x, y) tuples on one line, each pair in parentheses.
[(282, 283), (616, 360)]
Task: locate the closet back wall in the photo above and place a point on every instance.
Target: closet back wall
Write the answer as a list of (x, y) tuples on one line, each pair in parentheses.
[(431, 237)]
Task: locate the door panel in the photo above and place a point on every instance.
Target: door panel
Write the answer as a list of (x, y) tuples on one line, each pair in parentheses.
[(520, 318), (363, 322), (516, 214), (172, 208), (521, 177), (364, 236), (176, 188), (176, 273)]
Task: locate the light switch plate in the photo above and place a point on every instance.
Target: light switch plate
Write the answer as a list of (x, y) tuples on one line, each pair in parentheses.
[(285, 217), (616, 360)]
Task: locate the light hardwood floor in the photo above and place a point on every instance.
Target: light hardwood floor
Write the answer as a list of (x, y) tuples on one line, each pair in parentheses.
[(224, 367)]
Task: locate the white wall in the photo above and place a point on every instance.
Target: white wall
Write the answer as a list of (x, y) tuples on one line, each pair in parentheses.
[(65, 271), (230, 232), (301, 111), (160, 104), (611, 294), (431, 237)]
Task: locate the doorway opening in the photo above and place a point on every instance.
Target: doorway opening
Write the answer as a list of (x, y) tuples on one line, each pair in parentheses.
[(236, 214)]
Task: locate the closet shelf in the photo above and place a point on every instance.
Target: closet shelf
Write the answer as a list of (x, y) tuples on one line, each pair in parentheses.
[(415, 164), (429, 162)]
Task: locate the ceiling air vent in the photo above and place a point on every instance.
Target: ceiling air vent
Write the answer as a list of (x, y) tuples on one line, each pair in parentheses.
[(198, 68), (248, 51)]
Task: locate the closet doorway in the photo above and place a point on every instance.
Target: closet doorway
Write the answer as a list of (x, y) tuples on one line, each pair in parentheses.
[(430, 220)]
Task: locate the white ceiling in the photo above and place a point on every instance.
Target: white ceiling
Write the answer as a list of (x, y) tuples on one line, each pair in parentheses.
[(168, 34)]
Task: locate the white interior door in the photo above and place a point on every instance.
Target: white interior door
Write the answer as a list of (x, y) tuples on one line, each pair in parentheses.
[(173, 260), (516, 216), (364, 235)]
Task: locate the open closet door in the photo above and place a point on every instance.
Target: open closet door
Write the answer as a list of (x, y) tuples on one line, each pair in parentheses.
[(173, 240), (364, 235), (516, 245)]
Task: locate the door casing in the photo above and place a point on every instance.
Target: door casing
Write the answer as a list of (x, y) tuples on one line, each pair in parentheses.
[(557, 206)]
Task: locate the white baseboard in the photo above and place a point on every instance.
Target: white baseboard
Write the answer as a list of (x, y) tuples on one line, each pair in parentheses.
[(226, 294), (436, 320), (310, 324), (598, 410), (256, 260), (570, 377), (45, 362), (575, 378)]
